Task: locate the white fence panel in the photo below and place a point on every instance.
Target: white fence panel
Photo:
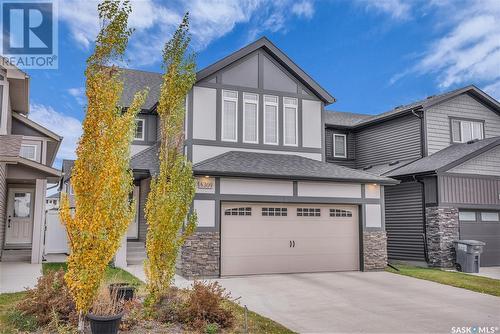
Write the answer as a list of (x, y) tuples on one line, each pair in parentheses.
[(56, 240)]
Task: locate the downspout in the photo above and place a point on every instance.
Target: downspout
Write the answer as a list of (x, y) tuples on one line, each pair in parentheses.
[(422, 150)]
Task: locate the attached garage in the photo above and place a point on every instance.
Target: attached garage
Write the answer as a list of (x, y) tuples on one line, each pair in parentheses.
[(265, 238), (484, 226)]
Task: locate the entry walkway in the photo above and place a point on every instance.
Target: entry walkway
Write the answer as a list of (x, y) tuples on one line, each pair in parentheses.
[(17, 276)]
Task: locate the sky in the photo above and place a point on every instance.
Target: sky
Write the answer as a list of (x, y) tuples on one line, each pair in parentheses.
[(372, 55)]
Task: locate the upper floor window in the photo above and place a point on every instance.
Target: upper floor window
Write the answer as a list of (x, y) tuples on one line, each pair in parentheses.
[(28, 151), (339, 146), (290, 115), (463, 131), (229, 115), (139, 129), (270, 119), (250, 118)]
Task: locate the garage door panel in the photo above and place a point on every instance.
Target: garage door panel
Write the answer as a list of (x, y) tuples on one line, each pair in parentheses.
[(257, 244), (487, 232)]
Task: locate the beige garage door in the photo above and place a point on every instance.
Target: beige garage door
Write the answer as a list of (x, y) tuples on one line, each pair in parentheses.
[(279, 238)]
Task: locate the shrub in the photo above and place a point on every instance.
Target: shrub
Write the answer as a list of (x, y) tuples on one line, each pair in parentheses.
[(133, 314), (171, 305), (50, 296), (211, 329)]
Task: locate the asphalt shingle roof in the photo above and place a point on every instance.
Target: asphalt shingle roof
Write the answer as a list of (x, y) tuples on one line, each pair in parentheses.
[(67, 166), (344, 118), (146, 160), (445, 157), (283, 166), (135, 81)]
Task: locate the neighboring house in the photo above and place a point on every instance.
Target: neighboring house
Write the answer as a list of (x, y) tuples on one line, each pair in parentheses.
[(27, 151), (445, 150), (267, 201), (52, 201)]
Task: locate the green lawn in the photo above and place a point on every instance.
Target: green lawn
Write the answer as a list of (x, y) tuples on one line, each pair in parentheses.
[(460, 280), (111, 275), (7, 303)]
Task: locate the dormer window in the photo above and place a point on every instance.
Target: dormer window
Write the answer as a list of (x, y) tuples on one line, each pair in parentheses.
[(463, 131), (339, 146), (139, 129)]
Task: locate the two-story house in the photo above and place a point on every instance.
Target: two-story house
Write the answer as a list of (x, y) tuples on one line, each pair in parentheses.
[(445, 150), (27, 151), (267, 200)]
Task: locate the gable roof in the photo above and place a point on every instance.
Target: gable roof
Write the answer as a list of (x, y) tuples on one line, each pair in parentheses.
[(277, 54), (282, 166), (424, 104), (137, 80), (446, 158)]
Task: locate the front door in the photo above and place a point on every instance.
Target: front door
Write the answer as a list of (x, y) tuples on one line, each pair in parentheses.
[(20, 206), (133, 228)]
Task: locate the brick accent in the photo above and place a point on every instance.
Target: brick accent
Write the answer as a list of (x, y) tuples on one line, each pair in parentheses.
[(374, 250), (442, 229), (200, 255)]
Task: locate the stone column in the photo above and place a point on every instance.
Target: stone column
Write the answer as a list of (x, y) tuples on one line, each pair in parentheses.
[(442, 230), (374, 250), (200, 255)]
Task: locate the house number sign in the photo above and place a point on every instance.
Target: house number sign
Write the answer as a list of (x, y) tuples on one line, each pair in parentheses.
[(205, 183)]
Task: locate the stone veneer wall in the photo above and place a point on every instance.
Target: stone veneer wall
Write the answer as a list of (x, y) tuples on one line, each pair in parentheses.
[(374, 250), (442, 229), (200, 255)]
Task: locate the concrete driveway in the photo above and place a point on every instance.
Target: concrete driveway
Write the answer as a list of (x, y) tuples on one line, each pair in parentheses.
[(356, 302)]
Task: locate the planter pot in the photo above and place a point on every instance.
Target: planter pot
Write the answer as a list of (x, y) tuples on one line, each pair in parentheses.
[(122, 291), (100, 324)]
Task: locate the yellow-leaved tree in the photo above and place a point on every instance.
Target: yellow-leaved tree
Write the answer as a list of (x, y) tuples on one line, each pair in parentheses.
[(172, 190), (101, 178)]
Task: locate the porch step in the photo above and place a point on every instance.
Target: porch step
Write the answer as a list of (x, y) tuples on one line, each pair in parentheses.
[(16, 255), (136, 252)]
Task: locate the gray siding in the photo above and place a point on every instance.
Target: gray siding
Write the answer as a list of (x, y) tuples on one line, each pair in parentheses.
[(351, 148), (3, 202), (397, 139), (143, 196), (19, 128), (404, 221), (466, 191), (150, 128), (487, 163), (462, 106)]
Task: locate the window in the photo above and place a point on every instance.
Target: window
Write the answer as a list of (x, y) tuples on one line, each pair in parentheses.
[(489, 216), (340, 213), (290, 120), (277, 212), (463, 131), (339, 146), (139, 129), (270, 120), (22, 205), (28, 151), (250, 118), (229, 115), (308, 212), (467, 216), (247, 211)]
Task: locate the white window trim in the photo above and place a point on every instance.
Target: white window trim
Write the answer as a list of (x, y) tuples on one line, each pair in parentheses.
[(276, 104), (461, 128), (143, 130), (296, 107), (345, 145), (256, 141), (234, 99), (35, 153)]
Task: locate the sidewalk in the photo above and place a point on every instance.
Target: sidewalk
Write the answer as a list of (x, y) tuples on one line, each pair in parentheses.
[(17, 276), (138, 271)]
